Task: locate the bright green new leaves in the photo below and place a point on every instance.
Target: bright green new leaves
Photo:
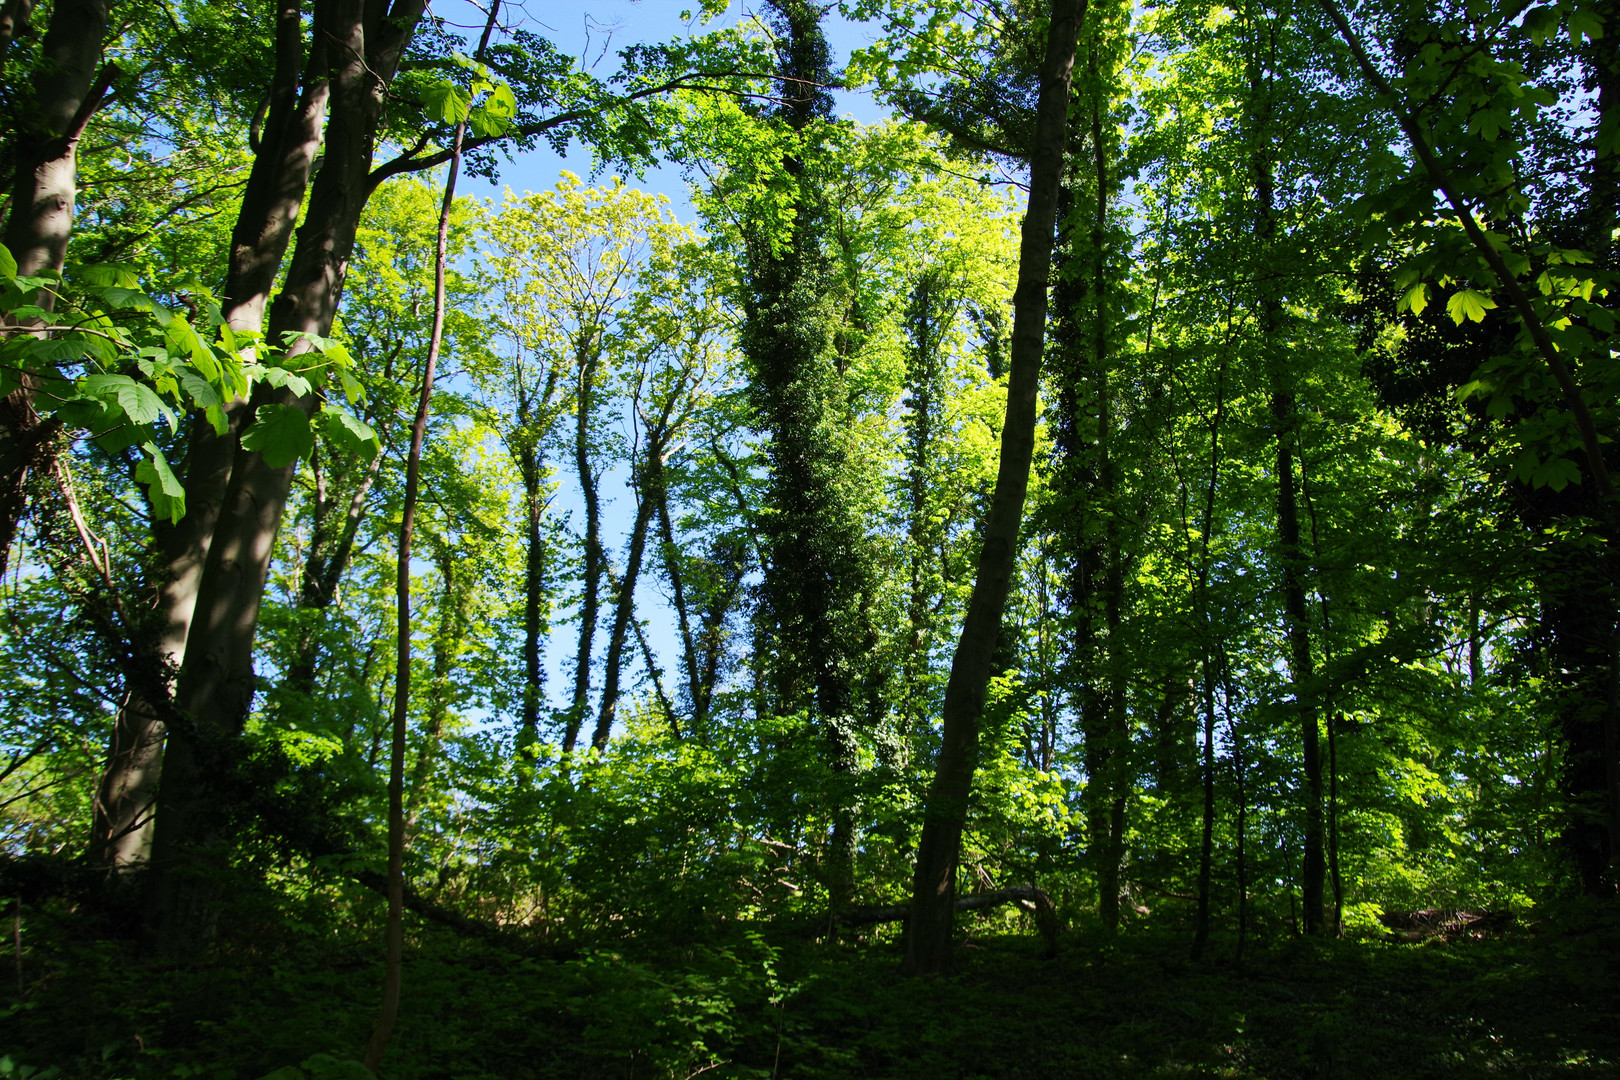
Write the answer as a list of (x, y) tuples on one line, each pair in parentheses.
[(167, 494), (449, 103)]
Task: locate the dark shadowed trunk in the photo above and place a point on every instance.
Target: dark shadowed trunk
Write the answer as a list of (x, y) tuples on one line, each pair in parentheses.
[(928, 937), (64, 94), (588, 359), (1206, 844), (364, 44)]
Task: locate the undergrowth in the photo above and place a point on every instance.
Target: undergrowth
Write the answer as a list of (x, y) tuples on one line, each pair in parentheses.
[(296, 1000)]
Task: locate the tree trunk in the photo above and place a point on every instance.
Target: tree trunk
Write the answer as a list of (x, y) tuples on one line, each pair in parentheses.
[(929, 318), (1290, 554), (282, 161), (532, 470), (928, 939), (1207, 838), (65, 93), (525, 440), (216, 682), (394, 951), (588, 355), (625, 606)]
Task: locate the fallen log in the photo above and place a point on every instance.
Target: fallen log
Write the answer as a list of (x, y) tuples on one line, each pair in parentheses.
[(454, 921), (1443, 923), (1031, 898)]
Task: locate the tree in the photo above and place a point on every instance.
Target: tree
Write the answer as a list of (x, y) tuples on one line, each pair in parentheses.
[(928, 942)]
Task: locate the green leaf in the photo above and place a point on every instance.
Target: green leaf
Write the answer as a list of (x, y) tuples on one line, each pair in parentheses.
[(350, 434), (494, 115), (446, 101), (1557, 474), (8, 265), (281, 433), (351, 387), (1468, 304), (282, 378), (200, 390), (1583, 23), (167, 493), (138, 401), (1415, 300)]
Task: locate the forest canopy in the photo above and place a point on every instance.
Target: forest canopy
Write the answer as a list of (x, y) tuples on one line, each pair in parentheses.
[(1152, 491)]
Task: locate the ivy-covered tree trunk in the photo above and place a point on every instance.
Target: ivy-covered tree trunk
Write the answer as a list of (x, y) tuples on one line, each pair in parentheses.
[(816, 570), (930, 313), (365, 43), (588, 358), (928, 935)]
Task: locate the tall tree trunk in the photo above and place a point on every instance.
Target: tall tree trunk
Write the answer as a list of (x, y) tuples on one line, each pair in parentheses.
[(1240, 776), (817, 571), (1104, 718), (928, 938), (929, 317), (1291, 554), (526, 439), (675, 574), (1207, 837), (447, 639), (364, 44), (534, 590), (394, 950), (651, 473), (588, 353), (283, 158)]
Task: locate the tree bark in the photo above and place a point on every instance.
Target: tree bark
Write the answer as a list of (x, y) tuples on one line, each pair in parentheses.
[(66, 91), (588, 357), (364, 45), (625, 605), (1206, 844), (394, 951), (928, 938)]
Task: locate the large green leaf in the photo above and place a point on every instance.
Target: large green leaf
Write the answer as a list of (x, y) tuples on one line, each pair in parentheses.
[(350, 434), (167, 493), (1469, 305), (281, 433)]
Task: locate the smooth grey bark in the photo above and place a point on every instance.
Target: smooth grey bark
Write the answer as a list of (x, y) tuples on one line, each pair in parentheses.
[(928, 937)]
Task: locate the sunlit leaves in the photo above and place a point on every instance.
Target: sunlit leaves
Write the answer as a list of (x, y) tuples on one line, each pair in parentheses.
[(1468, 304), (281, 433)]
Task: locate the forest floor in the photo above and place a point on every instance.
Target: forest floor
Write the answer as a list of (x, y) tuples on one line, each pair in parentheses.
[(1543, 1003)]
